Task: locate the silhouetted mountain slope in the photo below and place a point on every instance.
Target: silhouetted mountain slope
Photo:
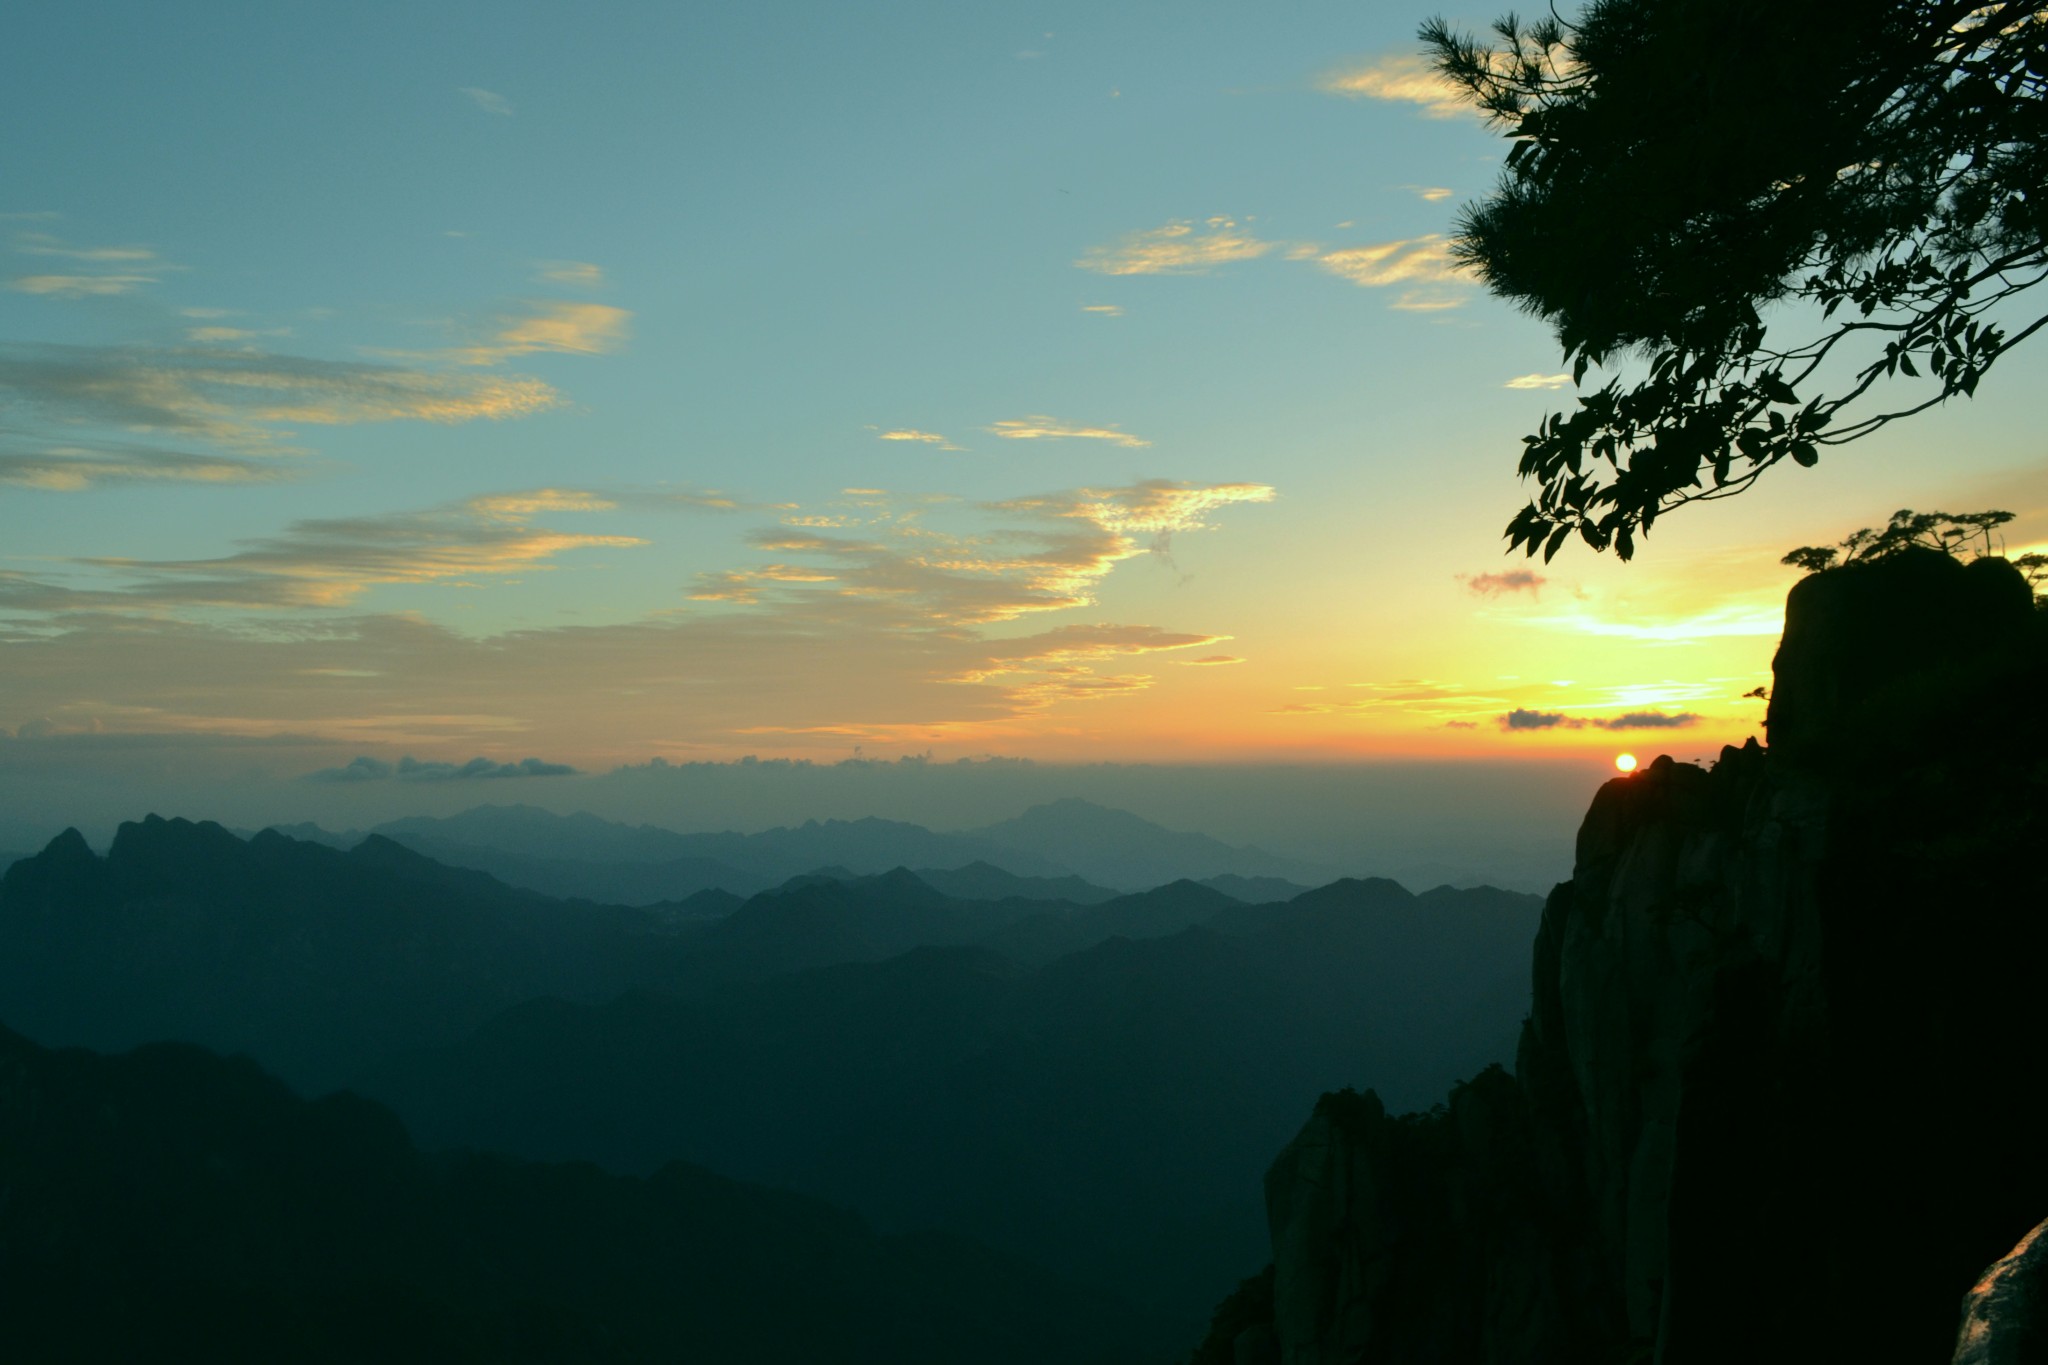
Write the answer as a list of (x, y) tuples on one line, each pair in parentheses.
[(1255, 890), (614, 883), (586, 856), (820, 920), (986, 882), (1108, 1111), (1119, 849), (1781, 1095), (310, 958), (171, 1205)]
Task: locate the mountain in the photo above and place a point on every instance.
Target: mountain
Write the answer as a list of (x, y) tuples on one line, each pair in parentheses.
[(979, 881), (308, 957), (1108, 1111), (1119, 849), (623, 882), (587, 857), (1781, 1093), (170, 1204), (1255, 890)]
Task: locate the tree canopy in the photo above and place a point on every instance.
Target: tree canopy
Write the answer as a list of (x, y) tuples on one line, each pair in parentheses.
[(1692, 178)]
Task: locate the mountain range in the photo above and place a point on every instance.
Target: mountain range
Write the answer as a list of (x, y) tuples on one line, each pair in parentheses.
[(1092, 1086), (1052, 849)]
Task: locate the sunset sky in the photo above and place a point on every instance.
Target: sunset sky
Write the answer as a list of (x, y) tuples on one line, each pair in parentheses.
[(629, 381)]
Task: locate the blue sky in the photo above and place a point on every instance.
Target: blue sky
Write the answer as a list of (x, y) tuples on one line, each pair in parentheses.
[(457, 379)]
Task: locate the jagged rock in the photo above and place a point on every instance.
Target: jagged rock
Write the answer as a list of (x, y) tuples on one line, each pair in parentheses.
[(2005, 1317), (1780, 1095)]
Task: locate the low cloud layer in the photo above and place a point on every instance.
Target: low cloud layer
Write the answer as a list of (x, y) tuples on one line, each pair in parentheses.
[(1506, 581), (368, 769), (1520, 719)]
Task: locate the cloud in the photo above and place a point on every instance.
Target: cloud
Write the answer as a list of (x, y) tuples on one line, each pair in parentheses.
[(1400, 77), (329, 562), (1539, 381), (213, 334), (1108, 310), (933, 616), (1179, 248), (1521, 719), (1412, 260), (408, 769), (1212, 661), (489, 101), (79, 286), (42, 244), (1043, 428), (235, 398), (1432, 194), (581, 274), (567, 328), (930, 438), (1506, 581), (72, 467)]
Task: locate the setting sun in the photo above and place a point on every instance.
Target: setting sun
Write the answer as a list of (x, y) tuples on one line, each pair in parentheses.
[(1625, 762)]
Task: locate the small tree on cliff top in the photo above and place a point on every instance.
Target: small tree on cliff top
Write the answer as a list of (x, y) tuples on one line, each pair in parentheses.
[(1681, 165)]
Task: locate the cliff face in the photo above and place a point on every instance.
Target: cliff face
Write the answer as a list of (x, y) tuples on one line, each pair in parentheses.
[(1781, 1094)]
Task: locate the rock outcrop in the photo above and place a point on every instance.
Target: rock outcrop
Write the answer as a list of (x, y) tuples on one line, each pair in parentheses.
[(1781, 1096)]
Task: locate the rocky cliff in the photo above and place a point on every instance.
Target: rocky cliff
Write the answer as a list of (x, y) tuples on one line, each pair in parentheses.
[(1781, 1096)]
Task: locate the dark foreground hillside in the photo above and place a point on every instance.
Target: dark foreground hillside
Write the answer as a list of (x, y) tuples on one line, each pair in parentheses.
[(1783, 1095), (172, 1205)]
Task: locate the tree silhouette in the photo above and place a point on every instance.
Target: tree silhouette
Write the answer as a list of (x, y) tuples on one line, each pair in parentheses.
[(1869, 173)]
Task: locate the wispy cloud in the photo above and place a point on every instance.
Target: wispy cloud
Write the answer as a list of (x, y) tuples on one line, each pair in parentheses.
[(238, 398), (937, 617), (74, 467), (913, 435), (1413, 260), (327, 562), (43, 244), (99, 272), (221, 335), (79, 286), (1043, 428), (1403, 77), (1212, 661), (1432, 194), (1521, 719), (1179, 248), (1107, 310), (1424, 261), (490, 101), (561, 327), (581, 274), (368, 769), (1539, 381), (1506, 581)]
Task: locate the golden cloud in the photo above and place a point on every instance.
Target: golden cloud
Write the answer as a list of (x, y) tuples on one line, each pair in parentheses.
[(79, 286), (1043, 428), (1179, 248), (580, 274), (1404, 78)]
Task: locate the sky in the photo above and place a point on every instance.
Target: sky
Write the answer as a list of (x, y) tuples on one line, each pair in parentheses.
[(568, 389)]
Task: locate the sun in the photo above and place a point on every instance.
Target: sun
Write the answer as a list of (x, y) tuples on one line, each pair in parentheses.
[(1625, 762)]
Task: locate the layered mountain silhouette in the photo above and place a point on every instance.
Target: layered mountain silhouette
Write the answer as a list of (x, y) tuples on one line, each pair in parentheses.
[(172, 1205), (1105, 1111), (1071, 851), (1094, 1086)]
